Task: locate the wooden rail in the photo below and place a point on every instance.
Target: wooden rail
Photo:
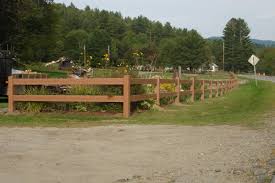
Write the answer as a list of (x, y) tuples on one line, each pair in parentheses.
[(215, 88)]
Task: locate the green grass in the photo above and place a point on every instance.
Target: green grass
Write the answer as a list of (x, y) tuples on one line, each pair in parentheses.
[(52, 71), (208, 75), (54, 74), (3, 105), (53, 120), (3, 102), (246, 105)]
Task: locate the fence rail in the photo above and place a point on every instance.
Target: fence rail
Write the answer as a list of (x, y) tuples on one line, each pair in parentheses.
[(214, 87)]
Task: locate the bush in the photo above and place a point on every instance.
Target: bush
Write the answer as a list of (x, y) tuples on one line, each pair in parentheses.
[(95, 90), (33, 107)]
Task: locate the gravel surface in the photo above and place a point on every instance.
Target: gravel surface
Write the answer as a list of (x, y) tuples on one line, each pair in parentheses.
[(133, 154)]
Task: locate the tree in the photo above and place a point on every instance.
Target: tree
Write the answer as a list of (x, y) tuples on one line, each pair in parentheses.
[(238, 46), (9, 21), (74, 43), (188, 51), (267, 61), (216, 48), (44, 31)]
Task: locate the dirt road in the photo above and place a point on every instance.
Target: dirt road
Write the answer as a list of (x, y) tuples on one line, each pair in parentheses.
[(135, 154)]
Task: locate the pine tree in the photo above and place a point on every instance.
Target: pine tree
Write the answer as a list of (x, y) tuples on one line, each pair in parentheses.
[(238, 46)]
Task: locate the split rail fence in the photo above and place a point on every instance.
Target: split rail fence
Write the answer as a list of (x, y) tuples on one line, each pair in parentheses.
[(214, 88)]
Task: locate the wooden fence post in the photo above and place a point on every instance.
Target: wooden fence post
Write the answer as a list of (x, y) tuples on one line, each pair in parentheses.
[(157, 90), (192, 89), (126, 96), (202, 90), (10, 94), (211, 89), (217, 88), (220, 88), (178, 90), (223, 89), (226, 86)]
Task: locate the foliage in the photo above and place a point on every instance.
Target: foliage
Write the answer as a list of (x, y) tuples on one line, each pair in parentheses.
[(267, 61), (48, 30), (167, 87), (33, 107), (216, 47), (188, 50), (238, 46)]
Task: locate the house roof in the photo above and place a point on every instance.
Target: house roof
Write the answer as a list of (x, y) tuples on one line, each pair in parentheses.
[(213, 64)]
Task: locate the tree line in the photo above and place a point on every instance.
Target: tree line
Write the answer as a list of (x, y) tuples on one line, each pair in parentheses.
[(41, 30)]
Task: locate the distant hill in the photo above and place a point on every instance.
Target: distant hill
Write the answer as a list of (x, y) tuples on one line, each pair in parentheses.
[(264, 43)]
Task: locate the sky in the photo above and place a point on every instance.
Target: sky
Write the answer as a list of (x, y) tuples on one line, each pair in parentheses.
[(208, 17)]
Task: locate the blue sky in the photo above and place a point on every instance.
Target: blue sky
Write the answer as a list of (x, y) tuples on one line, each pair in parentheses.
[(206, 16)]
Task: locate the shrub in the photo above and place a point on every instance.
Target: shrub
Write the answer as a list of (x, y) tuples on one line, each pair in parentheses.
[(168, 87), (33, 107)]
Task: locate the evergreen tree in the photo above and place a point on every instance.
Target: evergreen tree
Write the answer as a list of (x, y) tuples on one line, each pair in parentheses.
[(238, 46)]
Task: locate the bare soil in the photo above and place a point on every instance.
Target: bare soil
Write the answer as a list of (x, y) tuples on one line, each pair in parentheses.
[(133, 154)]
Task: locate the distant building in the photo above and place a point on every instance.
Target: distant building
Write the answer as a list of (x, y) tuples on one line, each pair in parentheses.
[(66, 64), (213, 67)]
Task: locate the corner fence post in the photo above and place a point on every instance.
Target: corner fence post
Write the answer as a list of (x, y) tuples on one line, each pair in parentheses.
[(211, 89), (192, 89), (10, 94), (157, 90), (202, 90), (126, 96), (178, 90)]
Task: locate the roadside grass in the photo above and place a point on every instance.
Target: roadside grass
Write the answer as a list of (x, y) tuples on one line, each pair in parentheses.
[(53, 120), (246, 106)]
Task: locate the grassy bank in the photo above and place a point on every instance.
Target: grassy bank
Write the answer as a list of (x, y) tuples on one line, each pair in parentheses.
[(246, 105)]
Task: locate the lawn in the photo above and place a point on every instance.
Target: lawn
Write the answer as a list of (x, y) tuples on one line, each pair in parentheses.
[(247, 105), (3, 102)]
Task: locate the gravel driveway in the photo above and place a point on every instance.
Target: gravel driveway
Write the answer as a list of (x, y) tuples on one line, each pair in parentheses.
[(132, 154)]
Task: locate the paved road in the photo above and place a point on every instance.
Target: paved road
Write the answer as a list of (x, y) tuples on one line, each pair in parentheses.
[(264, 78)]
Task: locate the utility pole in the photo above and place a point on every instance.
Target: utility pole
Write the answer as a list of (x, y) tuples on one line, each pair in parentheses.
[(84, 54), (109, 52), (223, 55)]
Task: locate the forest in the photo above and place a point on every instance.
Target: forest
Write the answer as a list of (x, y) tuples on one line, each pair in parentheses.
[(42, 31)]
